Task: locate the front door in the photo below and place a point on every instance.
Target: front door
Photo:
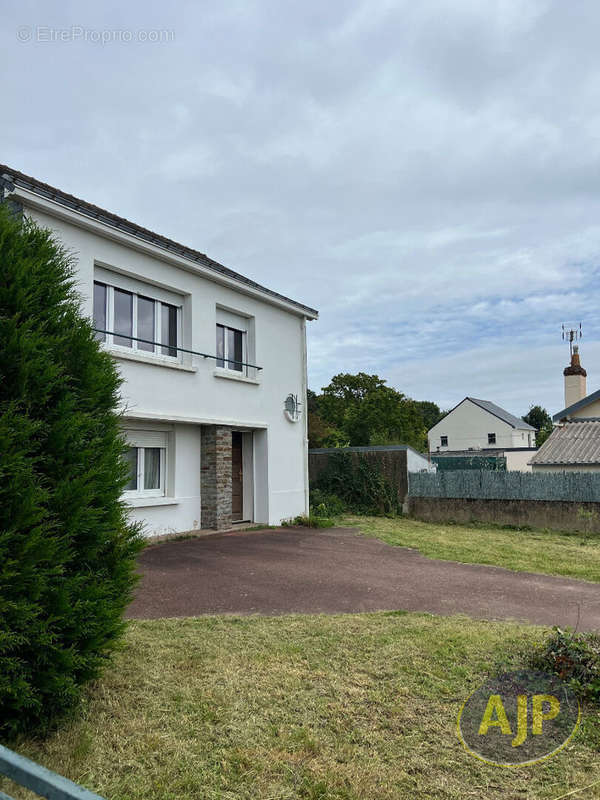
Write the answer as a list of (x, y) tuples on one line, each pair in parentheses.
[(237, 477)]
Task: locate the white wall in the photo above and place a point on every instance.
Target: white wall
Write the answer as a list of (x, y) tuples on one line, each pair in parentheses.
[(516, 461), (180, 509), (415, 462), (591, 410), (468, 425), (194, 393)]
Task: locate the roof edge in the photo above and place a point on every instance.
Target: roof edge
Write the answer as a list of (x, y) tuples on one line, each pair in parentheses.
[(75, 204), (525, 427), (590, 398)]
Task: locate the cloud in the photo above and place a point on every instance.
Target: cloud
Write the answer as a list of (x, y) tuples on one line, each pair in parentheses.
[(426, 174)]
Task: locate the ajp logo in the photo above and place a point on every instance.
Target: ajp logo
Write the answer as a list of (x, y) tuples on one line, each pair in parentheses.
[(518, 718)]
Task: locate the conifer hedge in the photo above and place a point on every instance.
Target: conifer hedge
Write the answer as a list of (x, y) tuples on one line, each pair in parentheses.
[(67, 551)]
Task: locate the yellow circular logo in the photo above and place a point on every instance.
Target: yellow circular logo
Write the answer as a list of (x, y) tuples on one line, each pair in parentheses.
[(518, 718)]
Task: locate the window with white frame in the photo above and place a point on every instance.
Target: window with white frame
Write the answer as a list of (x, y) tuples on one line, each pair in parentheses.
[(231, 348), (146, 457), (235, 341), (136, 322)]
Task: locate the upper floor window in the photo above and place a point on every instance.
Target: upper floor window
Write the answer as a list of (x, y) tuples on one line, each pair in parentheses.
[(491, 438), (443, 441), (231, 348), (136, 322)]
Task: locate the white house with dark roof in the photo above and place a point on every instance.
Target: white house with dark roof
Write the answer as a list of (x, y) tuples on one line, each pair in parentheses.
[(214, 368), (480, 425)]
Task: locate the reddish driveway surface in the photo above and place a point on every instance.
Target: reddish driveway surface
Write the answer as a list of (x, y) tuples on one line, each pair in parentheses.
[(336, 570)]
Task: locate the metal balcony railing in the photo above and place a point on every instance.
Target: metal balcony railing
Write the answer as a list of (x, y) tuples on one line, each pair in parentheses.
[(40, 780), (175, 347)]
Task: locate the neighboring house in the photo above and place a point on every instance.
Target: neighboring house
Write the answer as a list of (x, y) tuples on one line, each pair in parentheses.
[(479, 424), (214, 368), (574, 445)]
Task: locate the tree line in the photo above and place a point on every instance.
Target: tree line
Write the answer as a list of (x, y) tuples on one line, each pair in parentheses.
[(362, 410)]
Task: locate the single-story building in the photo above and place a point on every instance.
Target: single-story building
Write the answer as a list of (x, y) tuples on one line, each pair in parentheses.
[(509, 459), (572, 447)]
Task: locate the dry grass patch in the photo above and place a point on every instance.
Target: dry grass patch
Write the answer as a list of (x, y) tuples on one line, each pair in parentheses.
[(312, 707), (573, 555)]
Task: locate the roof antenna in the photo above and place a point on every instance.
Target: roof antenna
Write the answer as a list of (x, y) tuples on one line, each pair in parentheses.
[(572, 336)]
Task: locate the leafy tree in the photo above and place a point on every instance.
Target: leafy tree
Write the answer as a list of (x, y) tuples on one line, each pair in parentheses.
[(320, 434), (541, 420), (67, 552), (430, 413), (367, 412)]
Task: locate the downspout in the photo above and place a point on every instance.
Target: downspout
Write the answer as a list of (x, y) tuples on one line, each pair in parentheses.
[(305, 401)]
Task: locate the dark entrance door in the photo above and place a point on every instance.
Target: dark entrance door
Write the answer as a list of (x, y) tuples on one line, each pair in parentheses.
[(237, 477)]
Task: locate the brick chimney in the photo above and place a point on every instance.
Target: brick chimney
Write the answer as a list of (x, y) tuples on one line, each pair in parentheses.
[(575, 380)]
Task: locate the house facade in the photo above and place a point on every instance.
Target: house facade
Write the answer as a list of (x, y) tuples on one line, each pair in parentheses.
[(479, 424), (214, 369)]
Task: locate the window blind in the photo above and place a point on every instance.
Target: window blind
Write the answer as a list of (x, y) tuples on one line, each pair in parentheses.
[(140, 438)]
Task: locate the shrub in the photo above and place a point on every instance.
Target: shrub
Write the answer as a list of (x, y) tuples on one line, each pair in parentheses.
[(311, 521), (324, 504), (359, 483), (574, 657), (67, 553)]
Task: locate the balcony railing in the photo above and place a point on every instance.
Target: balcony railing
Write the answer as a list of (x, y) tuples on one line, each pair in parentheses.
[(40, 780), (178, 349)]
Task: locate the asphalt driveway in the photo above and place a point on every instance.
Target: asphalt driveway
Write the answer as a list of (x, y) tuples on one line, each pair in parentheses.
[(298, 570)]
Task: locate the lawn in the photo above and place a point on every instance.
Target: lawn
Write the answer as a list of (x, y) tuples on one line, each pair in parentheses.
[(569, 554), (310, 707)]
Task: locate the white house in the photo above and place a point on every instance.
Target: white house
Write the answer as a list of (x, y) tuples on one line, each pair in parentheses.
[(479, 424), (214, 368)]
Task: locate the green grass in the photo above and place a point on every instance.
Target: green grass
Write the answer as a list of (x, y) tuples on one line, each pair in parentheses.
[(570, 554), (342, 707)]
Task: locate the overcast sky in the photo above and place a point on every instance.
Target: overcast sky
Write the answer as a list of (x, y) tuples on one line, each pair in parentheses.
[(426, 174)]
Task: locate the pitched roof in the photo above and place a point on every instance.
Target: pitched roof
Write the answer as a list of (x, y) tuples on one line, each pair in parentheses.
[(11, 176), (566, 412), (505, 416), (575, 443)]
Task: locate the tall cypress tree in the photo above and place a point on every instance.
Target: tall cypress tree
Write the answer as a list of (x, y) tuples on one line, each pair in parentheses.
[(67, 550)]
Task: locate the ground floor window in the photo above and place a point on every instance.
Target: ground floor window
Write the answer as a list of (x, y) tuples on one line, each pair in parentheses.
[(146, 458)]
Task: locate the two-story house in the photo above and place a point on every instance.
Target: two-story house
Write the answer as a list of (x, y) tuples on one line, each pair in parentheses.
[(214, 368), (481, 426)]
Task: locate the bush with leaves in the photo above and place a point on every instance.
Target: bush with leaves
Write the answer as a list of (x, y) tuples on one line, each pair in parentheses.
[(573, 657), (325, 504), (67, 551), (359, 483), (310, 521)]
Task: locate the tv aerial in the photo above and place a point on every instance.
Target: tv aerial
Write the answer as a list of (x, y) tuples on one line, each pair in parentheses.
[(572, 334)]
